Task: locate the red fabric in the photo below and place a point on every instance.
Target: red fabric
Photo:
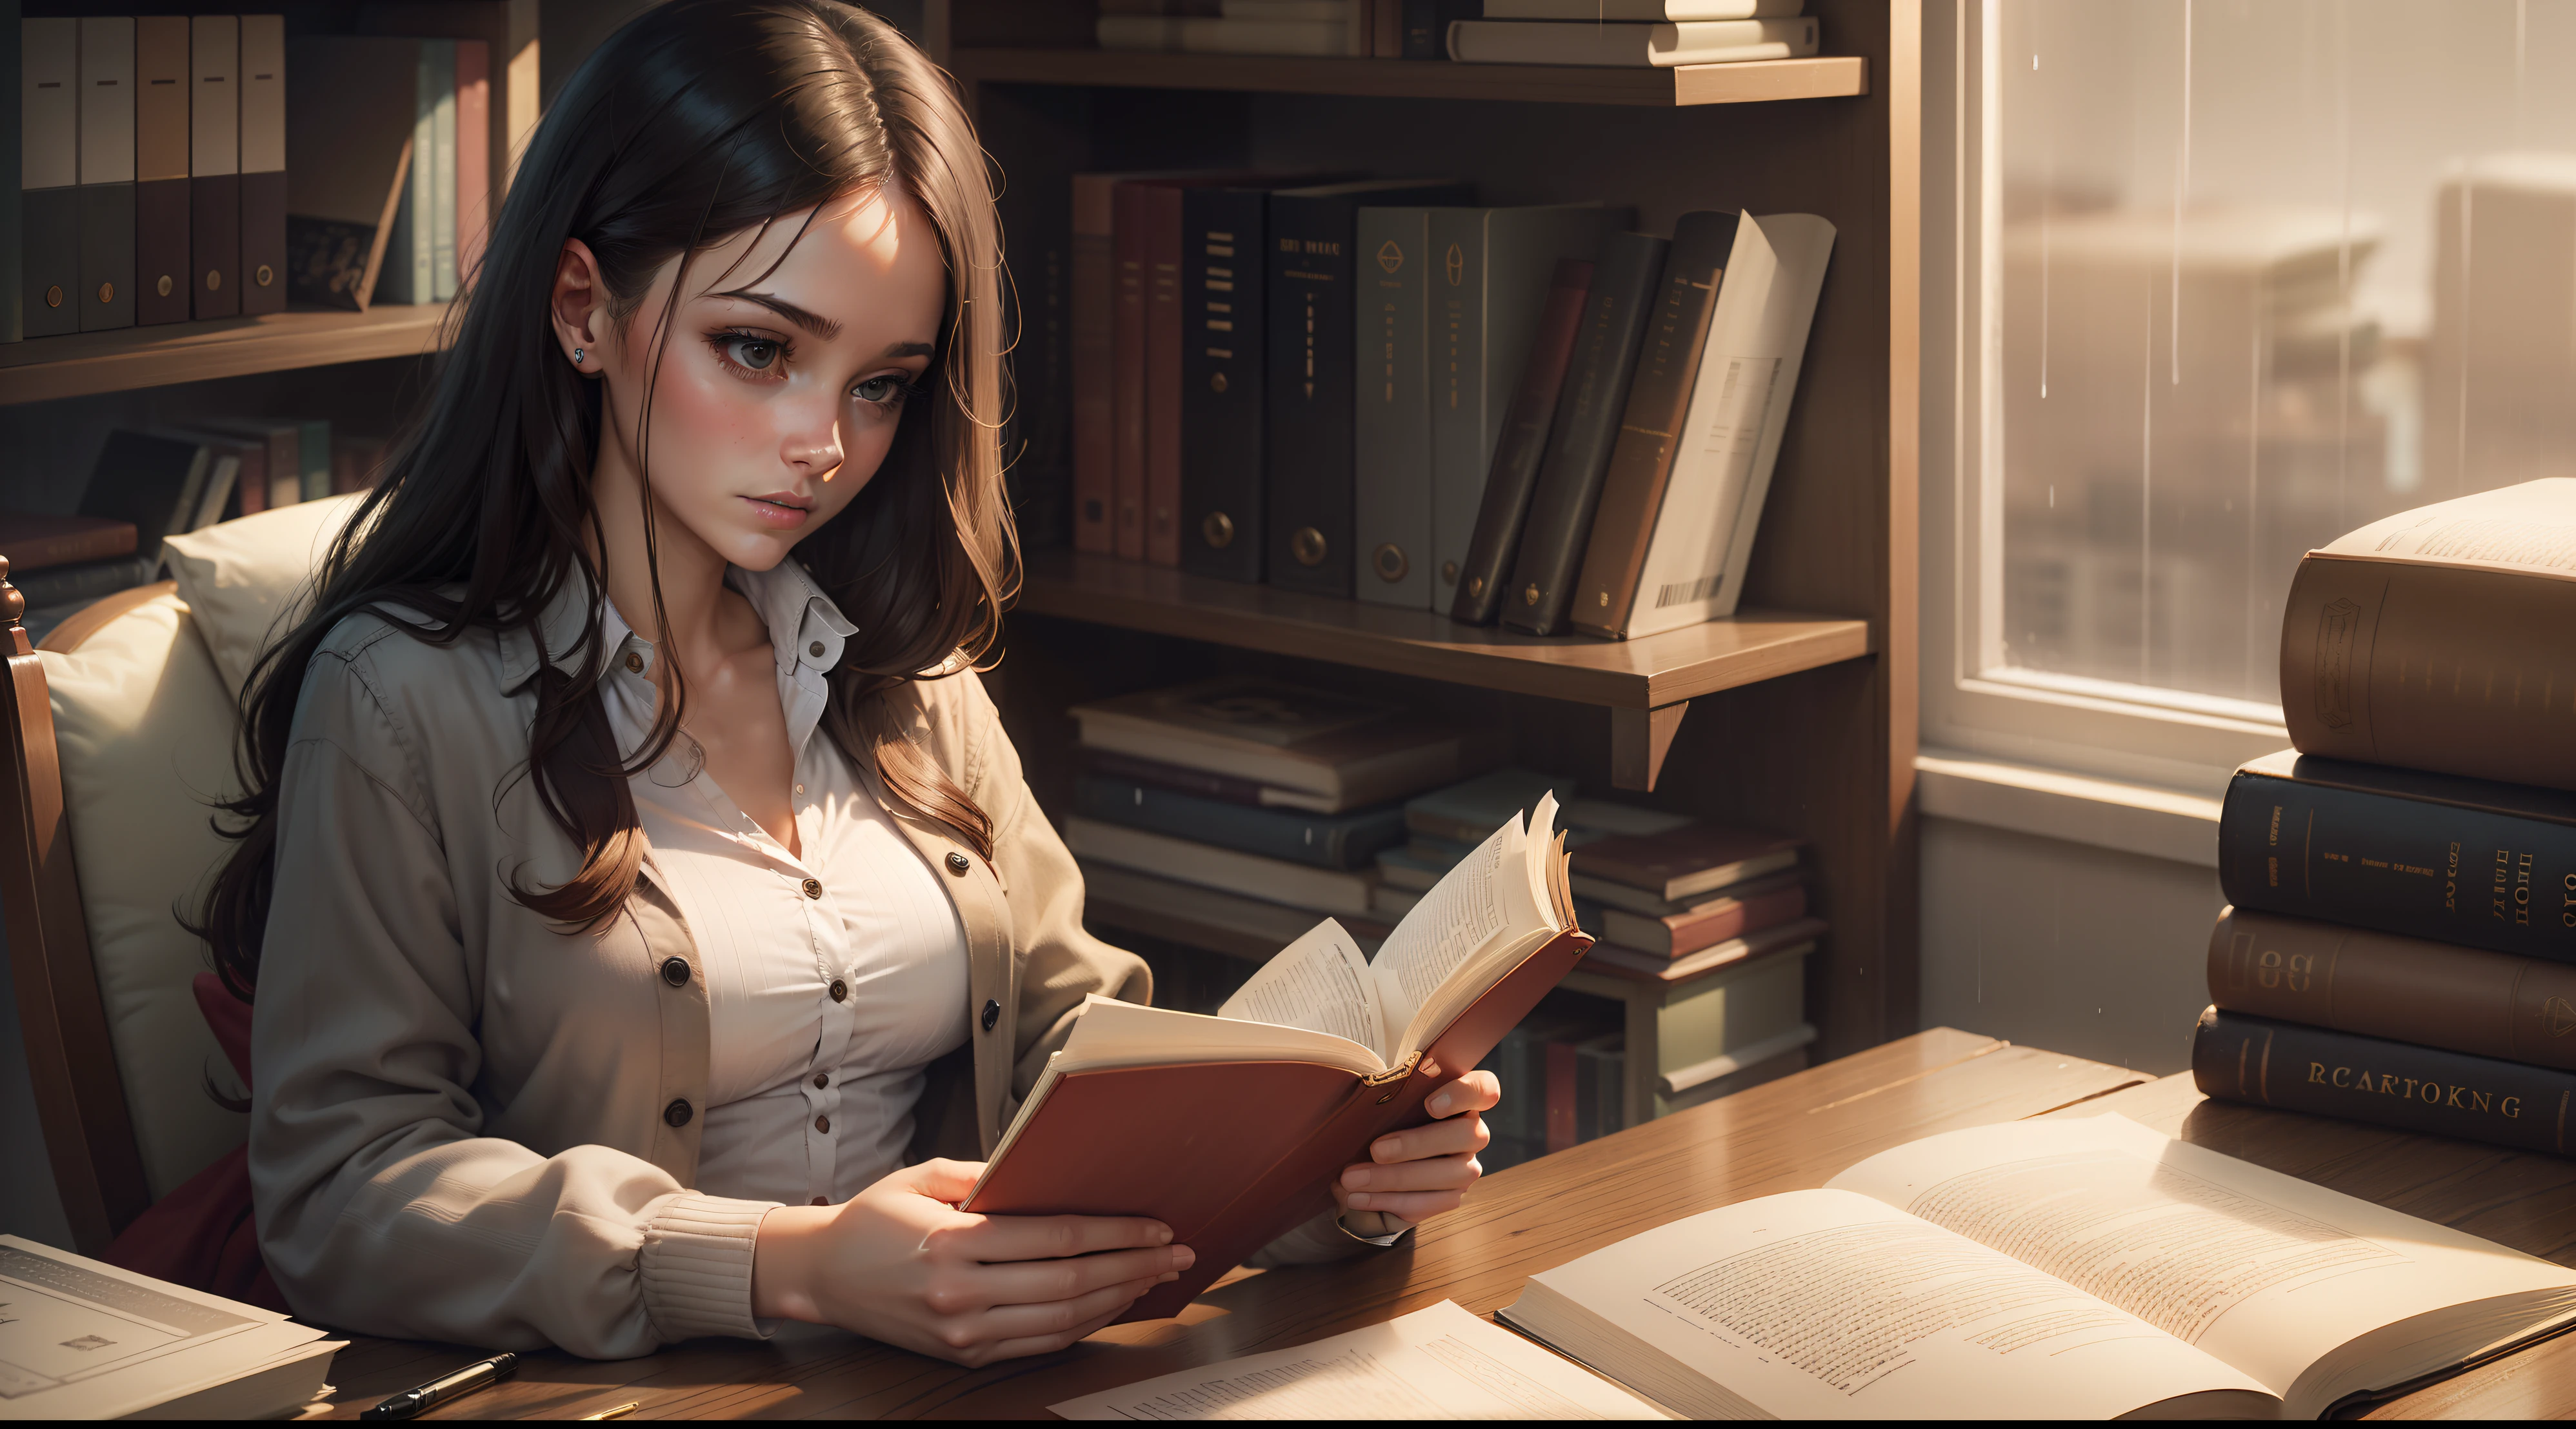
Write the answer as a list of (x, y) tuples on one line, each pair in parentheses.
[(201, 1235)]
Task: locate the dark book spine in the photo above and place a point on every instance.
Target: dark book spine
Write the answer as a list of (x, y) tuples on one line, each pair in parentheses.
[(1426, 25), (2283, 1064), (1201, 782), (1391, 406), (1513, 478), (2464, 873), (1128, 375), (214, 242), (1585, 428), (1093, 344), (1632, 489), (2407, 989), (50, 223), (1341, 841), (1222, 272), (263, 242), (1164, 321), (1311, 393), (161, 98)]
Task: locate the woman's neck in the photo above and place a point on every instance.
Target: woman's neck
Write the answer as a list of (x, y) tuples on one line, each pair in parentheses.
[(694, 597)]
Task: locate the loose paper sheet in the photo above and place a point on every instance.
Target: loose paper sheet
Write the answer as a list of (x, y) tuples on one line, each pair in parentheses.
[(1440, 1363)]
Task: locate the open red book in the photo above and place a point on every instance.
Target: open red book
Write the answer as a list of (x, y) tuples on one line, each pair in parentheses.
[(1230, 1129)]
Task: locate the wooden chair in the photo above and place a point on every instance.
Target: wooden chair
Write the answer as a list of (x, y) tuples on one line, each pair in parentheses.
[(71, 1059)]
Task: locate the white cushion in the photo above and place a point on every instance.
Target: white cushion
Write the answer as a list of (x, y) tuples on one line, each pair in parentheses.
[(144, 725), (245, 579)]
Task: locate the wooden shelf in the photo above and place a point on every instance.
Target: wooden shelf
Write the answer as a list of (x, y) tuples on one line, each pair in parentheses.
[(1822, 77), (1645, 674), (80, 364)]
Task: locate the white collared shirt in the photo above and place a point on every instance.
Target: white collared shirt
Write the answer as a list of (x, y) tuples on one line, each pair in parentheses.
[(809, 1096)]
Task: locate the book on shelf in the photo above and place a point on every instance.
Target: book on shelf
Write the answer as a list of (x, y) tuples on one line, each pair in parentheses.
[(1629, 45), (1343, 752), (1617, 311), (1092, 296), (1490, 288), (64, 587), (1727, 1073), (1651, 11), (1129, 302), (49, 176), (1675, 865), (348, 181), (1228, 36), (263, 164), (161, 97), (214, 166), (94, 1341), (1344, 841), (153, 480), (1299, 885), (33, 543), (2424, 855), (1604, 817), (473, 173), (1311, 379), (1512, 478), (1464, 810), (247, 492), (1535, 1064), (1393, 902), (1436, 1363), (1339, 1047), (106, 293), (2060, 1268), (2239, 1057), (2388, 985), (410, 273), (1732, 912), (1791, 940), (1402, 868), (2478, 588), (1423, 26), (1391, 406), (1732, 1017), (1205, 783), (1671, 542)]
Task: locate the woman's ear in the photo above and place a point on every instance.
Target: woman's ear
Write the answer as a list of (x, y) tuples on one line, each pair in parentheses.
[(579, 307)]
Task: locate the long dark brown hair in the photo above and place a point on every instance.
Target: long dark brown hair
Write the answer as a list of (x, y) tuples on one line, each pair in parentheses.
[(698, 120)]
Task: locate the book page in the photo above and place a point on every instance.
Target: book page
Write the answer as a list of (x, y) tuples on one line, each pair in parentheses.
[(2265, 1271), (1827, 1304), (1439, 1363), (83, 1340), (2528, 530), (1494, 899), (1320, 982)]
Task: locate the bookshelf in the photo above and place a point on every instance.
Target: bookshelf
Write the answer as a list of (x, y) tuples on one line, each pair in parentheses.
[(86, 364), (1799, 714)]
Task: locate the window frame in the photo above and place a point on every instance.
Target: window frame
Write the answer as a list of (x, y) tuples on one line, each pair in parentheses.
[(1970, 703)]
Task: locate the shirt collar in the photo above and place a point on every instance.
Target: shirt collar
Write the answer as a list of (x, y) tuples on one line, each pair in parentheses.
[(807, 631)]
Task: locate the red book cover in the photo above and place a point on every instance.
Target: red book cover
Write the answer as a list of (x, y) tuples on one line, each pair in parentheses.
[(31, 543), (1095, 303), (1687, 860)]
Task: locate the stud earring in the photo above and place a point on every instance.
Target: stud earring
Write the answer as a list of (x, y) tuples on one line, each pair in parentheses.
[(576, 357)]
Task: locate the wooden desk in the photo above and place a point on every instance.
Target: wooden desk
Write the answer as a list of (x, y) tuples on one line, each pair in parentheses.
[(1787, 1135)]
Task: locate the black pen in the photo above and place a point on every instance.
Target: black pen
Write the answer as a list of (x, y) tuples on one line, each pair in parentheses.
[(482, 1374)]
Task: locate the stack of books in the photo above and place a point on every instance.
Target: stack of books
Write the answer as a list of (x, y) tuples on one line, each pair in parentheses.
[(1272, 381), (1253, 805), (2401, 947), (1633, 34), (179, 167)]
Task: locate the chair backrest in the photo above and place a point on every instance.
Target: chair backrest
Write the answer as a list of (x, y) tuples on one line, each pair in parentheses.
[(117, 736)]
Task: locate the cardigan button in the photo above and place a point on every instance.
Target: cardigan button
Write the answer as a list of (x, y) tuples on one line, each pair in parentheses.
[(678, 1112), (957, 863), (675, 971), (992, 1013)]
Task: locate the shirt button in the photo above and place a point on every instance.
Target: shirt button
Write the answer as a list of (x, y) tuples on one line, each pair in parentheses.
[(992, 1013), (678, 1112), (823, 1124), (822, 1080), (675, 971), (840, 990), (800, 788), (815, 649), (635, 662), (957, 864), (813, 888)]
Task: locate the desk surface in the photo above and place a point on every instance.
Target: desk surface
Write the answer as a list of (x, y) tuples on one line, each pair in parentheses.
[(1783, 1136)]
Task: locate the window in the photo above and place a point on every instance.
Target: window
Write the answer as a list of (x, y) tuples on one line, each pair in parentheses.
[(2209, 283)]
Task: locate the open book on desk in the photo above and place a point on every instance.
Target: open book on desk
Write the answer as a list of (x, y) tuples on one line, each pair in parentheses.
[(1230, 1129), (2084, 1268)]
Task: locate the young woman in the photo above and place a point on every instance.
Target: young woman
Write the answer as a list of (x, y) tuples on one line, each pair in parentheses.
[(639, 891)]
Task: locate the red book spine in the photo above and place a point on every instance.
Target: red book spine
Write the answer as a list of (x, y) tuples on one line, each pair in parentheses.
[(1163, 336), (1127, 373), (1095, 304)]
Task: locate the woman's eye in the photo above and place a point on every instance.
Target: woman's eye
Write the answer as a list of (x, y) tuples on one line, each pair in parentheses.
[(882, 390), (756, 353)]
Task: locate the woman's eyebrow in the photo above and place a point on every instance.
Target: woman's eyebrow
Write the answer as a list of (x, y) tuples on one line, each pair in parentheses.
[(813, 322), (910, 349)]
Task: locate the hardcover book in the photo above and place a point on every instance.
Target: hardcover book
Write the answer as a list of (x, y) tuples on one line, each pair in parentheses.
[(1465, 810), (1223, 455), (1746, 908), (1629, 45), (1333, 1049), (263, 164), (1344, 841), (2082, 1268), (1344, 753), (2240, 1058), (161, 169), (1686, 861), (2386, 985), (1512, 478), (34, 543), (214, 165), (49, 176), (1392, 418), (347, 180), (106, 294)]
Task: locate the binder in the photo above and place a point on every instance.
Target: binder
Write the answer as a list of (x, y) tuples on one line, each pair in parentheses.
[(214, 165), (263, 163), (161, 93), (106, 294), (49, 176)]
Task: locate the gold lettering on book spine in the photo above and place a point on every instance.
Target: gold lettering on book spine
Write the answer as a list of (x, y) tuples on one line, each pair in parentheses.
[(2335, 626)]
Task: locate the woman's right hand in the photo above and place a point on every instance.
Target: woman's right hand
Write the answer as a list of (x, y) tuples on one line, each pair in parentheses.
[(900, 1263)]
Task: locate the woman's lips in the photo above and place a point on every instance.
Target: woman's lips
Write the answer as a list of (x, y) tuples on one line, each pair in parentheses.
[(782, 510)]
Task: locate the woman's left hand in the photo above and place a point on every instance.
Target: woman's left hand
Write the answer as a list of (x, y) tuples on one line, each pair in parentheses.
[(1413, 1175)]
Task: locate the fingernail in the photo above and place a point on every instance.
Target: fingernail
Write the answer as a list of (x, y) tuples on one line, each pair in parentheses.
[(1355, 1177), (1440, 1105), (1183, 1257)]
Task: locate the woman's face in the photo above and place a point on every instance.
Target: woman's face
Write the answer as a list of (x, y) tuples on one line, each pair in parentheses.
[(789, 362)]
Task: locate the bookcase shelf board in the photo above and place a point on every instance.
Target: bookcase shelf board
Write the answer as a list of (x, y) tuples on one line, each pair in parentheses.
[(1821, 77), (83, 364), (1646, 674)]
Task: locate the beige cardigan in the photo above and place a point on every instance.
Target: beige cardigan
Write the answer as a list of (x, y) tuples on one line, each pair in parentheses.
[(469, 1126)]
